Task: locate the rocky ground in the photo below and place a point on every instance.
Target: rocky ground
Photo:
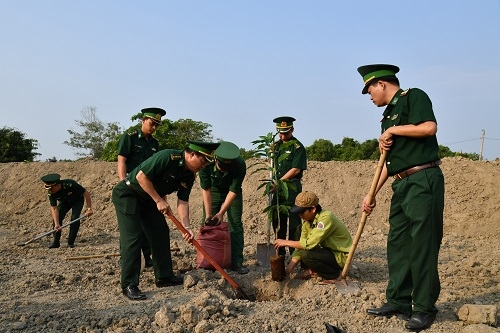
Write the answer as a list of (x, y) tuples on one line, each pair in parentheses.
[(47, 290)]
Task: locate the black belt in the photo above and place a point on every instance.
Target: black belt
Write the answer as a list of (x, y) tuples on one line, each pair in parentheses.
[(417, 168)]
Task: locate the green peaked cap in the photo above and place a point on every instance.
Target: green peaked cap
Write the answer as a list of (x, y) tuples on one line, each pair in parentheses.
[(284, 124), (154, 113), (50, 180), (227, 152), (205, 148), (372, 72)]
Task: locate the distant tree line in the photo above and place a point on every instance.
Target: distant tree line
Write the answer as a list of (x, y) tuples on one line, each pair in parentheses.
[(99, 140)]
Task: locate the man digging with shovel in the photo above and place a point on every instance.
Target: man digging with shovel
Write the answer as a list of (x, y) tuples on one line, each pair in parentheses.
[(324, 240), (65, 195)]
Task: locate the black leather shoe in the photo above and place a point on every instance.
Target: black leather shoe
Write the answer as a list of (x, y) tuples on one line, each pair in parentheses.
[(420, 321), (240, 269), (54, 245), (134, 293), (385, 311), (148, 262), (170, 281)]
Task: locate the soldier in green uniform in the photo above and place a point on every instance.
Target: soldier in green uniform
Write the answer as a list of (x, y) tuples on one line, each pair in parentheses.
[(409, 130), (324, 241), (64, 195), (140, 204), (136, 147), (222, 193), (290, 160)]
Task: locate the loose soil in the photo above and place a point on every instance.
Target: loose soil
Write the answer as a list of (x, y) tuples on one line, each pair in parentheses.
[(42, 290)]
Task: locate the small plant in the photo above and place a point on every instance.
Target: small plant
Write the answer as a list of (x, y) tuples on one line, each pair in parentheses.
[(275, 189)]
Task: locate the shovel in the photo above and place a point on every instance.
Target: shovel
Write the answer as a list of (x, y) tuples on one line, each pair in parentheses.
[(212, 261), (265, 250), (341, 283), (49, 232)]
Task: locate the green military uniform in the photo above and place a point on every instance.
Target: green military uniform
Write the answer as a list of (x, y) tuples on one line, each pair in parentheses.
[(70, 196), (325, 243), (137, 148), (137, 213), (416, 212), (220, 183), (291, 154)]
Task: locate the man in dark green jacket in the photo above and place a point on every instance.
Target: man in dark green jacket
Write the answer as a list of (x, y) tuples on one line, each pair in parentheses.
[(409, 130), (221, 190), (134, 148), (290, 160), (64, 195), (140, 204)]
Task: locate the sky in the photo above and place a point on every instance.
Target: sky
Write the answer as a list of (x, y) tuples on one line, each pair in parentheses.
[(237, 65)]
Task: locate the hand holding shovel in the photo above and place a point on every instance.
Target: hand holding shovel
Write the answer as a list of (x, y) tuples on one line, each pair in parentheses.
[(52, 231)]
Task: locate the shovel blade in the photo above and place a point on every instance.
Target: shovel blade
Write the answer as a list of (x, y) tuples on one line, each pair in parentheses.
[(346, 287), (264, 253)]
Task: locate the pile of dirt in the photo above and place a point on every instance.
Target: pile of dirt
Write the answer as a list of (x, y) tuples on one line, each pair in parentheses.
[(44, 291)]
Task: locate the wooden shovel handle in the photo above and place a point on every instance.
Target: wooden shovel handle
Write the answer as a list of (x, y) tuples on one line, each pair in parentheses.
[(361, 226), (206, 255)]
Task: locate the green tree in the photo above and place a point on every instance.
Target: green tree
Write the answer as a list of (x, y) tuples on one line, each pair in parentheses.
[(247, 154), (369, 149), (96, 134), (171, 135), (321, 150), (15, 147)]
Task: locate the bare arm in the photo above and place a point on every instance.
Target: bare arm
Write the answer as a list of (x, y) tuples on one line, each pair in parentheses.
[(88, 202), (183, 212), (422, 130), (54, 212), (285, 242), (206, 194), (366, 205), (225, 206), (148, 187), (291, 173), (122, 167)]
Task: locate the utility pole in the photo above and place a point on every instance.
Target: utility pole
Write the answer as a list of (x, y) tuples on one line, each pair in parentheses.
[(481, 149)]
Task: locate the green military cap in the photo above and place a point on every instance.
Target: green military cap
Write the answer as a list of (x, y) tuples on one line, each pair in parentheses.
[(207, 149), (371, 72), (284, 124), (154, 113), (50, 180), (227, 152)]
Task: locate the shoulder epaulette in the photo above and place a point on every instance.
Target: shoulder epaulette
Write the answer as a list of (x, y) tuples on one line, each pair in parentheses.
[(174, 157), (132, 133), (405, 92)]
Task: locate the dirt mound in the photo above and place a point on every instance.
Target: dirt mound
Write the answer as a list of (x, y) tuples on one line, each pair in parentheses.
[(44, 291)]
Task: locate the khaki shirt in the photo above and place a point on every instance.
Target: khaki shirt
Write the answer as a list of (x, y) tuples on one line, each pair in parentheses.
[(325, 231)]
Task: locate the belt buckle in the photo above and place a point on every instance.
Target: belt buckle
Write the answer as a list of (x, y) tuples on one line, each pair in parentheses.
[(397, 176)]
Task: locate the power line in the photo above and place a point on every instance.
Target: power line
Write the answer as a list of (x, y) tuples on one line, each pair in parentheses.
[(451, 143)]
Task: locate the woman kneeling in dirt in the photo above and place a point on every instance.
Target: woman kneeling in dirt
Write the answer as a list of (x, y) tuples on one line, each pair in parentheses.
[(324, 240)]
